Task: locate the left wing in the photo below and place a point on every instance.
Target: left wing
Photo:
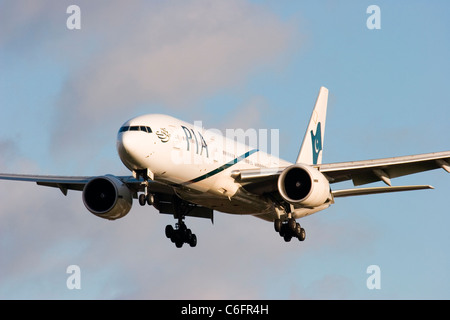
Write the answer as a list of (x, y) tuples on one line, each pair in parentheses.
[(363, 172), (262, 181)]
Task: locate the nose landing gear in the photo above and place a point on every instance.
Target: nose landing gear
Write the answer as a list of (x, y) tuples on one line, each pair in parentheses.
[(146, 199)]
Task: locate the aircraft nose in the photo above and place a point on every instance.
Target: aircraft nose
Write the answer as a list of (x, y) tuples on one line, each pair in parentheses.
[(128, 150)]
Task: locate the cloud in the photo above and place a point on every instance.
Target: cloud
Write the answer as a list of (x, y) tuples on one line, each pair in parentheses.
[(8, 152), (134, 58), (149, 53), (330, 286)]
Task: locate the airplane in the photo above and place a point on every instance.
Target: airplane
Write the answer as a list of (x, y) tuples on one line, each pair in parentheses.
[(184, 170)]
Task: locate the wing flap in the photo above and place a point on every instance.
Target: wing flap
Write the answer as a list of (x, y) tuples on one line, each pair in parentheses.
[(376, 190)]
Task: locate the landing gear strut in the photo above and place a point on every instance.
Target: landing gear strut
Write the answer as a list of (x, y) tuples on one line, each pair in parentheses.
[(181, 234), (146, 197), (290, 229)]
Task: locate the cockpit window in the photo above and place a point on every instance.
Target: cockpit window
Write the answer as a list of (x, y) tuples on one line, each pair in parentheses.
[(135, 128), (146, 129)]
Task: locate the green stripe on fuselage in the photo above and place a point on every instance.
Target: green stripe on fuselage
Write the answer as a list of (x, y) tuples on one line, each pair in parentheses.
[(221, 168)]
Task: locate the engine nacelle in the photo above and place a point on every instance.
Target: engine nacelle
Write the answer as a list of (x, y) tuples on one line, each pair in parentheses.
[(305, 185), (107, 197)]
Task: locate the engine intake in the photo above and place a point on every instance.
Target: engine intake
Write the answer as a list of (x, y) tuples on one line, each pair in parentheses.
[(107, 197), (305, 185)]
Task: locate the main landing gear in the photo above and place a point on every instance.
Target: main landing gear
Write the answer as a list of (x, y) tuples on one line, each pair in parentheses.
[(181, 234), (290, 229)]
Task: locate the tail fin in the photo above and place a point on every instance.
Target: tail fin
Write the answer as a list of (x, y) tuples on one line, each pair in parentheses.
[(312, 146)]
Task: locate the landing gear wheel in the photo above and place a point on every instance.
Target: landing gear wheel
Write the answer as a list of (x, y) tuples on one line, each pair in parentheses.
[(290, 229), (181, 235), (150, 199), (283, 229), (146, 199), (169, 231), (193, 241), (188, 235), (277, 225), (142, 199), (302, 235), (297, 230), (292, 224), (179, 244)]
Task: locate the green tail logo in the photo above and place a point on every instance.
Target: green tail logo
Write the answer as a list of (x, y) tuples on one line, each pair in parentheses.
[(316, 140)]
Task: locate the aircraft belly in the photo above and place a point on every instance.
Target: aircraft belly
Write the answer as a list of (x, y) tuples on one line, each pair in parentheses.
[(239, 203)]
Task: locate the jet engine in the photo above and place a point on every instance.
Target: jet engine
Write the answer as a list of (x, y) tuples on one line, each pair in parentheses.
[(304, 185), (107, 197)]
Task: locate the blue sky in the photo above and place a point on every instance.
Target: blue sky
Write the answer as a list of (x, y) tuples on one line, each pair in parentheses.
[(251, 64)]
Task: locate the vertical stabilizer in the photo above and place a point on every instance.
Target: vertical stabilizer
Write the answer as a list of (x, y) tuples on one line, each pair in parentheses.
[(312, 146)]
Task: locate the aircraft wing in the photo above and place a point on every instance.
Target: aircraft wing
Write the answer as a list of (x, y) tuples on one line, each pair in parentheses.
[(261, 181), (165, 193), (65, 183), (367, 171), (61, 182)]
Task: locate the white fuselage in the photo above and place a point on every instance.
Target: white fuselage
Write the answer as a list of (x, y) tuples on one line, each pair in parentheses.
[(196, 162)]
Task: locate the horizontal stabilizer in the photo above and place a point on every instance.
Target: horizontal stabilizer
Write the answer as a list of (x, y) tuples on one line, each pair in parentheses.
[(364, 191)]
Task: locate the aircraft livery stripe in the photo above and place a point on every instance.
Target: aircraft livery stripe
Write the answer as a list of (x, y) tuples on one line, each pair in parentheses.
[(221, 168)]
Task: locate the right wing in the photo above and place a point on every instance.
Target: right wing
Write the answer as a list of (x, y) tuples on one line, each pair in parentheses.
[(65, 183), (61, 182), (165, 195)]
